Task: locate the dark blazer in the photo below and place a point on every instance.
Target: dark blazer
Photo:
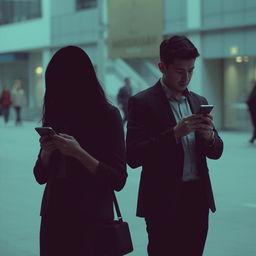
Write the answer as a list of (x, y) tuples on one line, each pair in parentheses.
[(73, 190), (152, 145)]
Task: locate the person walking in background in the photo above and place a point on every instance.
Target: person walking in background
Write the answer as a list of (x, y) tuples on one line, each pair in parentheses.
[(18, 99), (123, 96), (251, 103), (84, 163), (171, 143), (5, 103)]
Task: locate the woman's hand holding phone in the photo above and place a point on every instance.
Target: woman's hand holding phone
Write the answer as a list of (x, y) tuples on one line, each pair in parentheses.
[(67, 144), (46, 143), (47, 148)]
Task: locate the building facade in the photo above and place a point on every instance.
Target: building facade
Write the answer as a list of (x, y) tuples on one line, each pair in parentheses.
[(223, 30)]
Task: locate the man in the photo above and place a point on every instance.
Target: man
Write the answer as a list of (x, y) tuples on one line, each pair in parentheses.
[(171, 143), (123, 96)]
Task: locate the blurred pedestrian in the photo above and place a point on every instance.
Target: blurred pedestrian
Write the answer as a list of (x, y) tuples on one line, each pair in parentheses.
[(84, 163), (171, 143), (251, 103), (19, 100), (123, 96), (5, 103)]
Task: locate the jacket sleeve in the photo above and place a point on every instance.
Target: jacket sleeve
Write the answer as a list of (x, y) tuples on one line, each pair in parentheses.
[(112, 166), (41, 171), (141, 145), (215, 150)]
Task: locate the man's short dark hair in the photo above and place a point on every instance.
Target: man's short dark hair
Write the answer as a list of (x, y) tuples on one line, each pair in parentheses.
[(177, 47)]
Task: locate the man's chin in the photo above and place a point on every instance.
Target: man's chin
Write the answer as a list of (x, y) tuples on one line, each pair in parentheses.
[(183, 88)]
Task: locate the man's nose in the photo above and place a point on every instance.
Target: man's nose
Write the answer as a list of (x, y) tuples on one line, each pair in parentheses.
[(185, 76)]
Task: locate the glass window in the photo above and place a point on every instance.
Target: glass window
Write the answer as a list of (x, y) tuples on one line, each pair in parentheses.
[(16, 11), (238, 73), (84, 4)]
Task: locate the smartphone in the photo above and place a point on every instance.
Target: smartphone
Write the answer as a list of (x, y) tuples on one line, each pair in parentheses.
[(205, 109), (42, 131)]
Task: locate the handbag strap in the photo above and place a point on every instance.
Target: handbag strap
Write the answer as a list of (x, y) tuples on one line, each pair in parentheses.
[(119, 216)]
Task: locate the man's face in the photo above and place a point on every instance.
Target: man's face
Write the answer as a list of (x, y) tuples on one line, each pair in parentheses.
[(177, 75)]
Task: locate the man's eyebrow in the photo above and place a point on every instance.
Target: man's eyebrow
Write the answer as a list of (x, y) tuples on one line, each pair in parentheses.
[(184, 68)]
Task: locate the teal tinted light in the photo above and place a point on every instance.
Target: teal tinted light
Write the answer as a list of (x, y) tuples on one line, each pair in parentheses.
[(233, 50)]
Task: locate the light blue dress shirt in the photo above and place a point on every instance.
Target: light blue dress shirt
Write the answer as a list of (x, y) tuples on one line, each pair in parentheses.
[(180, 109)]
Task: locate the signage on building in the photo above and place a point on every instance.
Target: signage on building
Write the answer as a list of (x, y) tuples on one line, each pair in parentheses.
[(135, 28)]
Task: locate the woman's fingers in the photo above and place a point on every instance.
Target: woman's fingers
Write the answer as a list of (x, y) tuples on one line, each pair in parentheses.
[(44, 138), (66, 136)]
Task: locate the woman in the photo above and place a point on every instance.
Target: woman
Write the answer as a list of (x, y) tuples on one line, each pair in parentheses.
[(84, 163), (18, 100), (5, 103)]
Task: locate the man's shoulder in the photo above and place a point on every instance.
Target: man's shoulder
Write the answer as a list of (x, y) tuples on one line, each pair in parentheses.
[(195, 95), (146, 92), (110, 109)]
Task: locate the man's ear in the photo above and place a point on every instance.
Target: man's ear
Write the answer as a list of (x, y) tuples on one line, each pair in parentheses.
[(162, 67)]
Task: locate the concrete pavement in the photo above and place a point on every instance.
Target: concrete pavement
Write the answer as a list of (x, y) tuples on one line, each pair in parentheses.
[(232, 228)]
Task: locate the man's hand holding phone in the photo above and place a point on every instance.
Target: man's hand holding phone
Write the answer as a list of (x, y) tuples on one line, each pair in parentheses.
[(201, 122), (206, 130), (187, 125)]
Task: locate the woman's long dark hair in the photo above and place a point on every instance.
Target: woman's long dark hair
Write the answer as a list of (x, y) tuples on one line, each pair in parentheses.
[(73, 92)]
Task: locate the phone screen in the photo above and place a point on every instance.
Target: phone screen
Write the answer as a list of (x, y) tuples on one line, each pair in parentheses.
[(42, 131), (205, 109)]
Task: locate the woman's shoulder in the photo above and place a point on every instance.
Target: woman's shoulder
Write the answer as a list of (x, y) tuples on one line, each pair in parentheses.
[(110, 109), (110, 112)]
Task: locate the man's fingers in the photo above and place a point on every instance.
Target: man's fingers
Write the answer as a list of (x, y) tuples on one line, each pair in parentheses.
[(207, 120), (205, 126), (192, 122), (193, 117), (209, 116)]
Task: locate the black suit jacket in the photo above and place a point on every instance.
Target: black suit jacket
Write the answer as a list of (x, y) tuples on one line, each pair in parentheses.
[(152, 145), (71, 190)]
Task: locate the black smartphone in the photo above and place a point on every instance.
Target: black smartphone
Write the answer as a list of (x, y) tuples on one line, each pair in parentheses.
[(205, 109), (42, 131)]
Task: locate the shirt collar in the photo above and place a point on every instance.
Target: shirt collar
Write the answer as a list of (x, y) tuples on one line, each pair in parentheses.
[(169, 94)]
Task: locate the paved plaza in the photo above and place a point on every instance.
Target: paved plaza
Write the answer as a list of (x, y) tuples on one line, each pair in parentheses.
[(232, 228)]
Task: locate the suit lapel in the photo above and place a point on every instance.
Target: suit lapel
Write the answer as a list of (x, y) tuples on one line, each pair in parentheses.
[(193, 103), (163, 108)]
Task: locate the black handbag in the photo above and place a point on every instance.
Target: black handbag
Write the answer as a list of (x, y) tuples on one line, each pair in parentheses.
[(117, 238)]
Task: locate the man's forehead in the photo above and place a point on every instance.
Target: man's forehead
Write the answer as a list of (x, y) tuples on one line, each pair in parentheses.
[(183, 64)]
